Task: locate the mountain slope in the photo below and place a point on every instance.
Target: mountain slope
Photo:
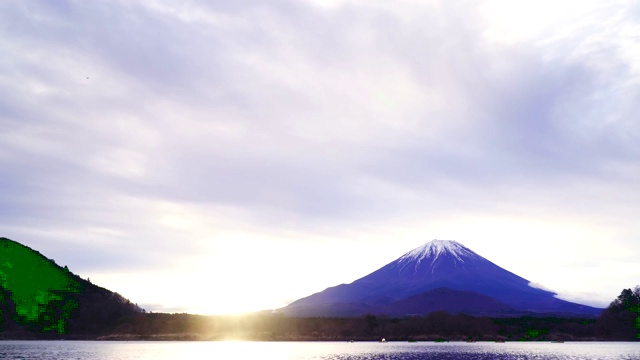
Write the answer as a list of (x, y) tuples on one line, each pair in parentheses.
[(437, 264), (443, 299), (39, 296)]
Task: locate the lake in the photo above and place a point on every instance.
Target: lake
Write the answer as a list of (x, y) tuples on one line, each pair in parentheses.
[(139, 350)]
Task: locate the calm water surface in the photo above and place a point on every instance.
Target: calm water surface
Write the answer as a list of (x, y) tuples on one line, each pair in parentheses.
[(76, 350)]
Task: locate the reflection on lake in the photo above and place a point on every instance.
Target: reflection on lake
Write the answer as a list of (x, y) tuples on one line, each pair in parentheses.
[(116, 350)]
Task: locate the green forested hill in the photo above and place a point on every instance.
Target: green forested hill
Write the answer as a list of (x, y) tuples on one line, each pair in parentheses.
[(39, 297)]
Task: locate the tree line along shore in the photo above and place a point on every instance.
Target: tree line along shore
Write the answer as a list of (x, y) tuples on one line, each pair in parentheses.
[(619, 322)]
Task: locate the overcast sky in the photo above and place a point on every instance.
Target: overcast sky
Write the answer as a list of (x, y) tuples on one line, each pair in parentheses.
[(230, 156)]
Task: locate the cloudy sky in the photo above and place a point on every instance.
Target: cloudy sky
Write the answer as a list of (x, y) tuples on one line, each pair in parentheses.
[(229, 156)]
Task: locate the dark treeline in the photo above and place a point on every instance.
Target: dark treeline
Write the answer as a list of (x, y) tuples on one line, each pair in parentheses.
[(435, 326), (619, 322), (97, 311)]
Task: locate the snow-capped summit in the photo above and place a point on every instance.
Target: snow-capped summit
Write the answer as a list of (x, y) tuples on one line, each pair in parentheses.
[(433, 249), (415, 278)]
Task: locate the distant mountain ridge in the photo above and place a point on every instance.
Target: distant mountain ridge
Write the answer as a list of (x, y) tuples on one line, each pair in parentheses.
[(37, 296), (407, 286)]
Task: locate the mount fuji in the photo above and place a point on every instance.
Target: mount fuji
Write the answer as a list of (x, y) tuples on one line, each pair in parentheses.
[(441, 275)]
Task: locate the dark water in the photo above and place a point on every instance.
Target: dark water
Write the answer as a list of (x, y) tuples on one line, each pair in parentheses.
[(76, 350)]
